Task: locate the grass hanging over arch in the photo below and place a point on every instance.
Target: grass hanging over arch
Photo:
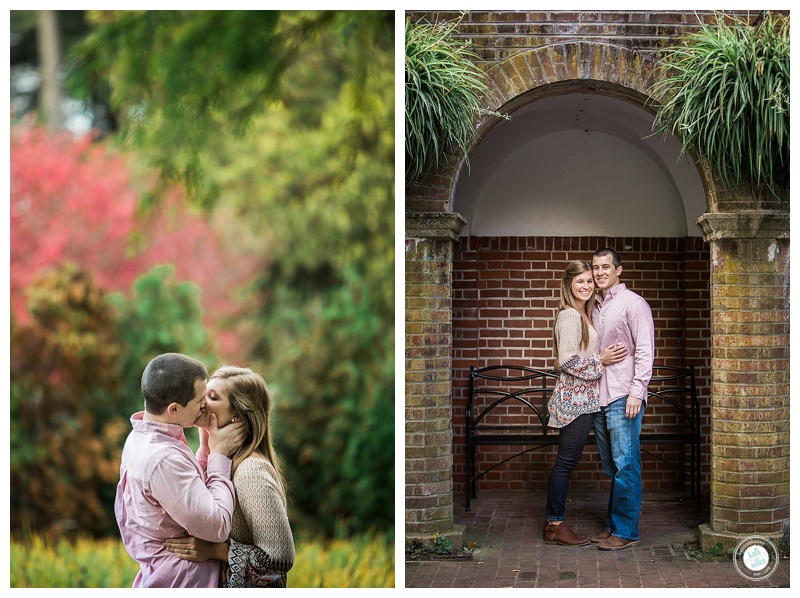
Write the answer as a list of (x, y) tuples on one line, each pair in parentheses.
[(443, 93), (724, 91)]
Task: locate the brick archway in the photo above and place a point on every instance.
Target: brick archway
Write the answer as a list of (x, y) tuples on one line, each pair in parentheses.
[(748, 238), (619, 71)]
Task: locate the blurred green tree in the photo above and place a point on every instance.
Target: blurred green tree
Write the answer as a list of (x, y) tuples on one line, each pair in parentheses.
[(66, 436), (332, 374), (181, 80), (162, 316), (317, 178), (288, 119)]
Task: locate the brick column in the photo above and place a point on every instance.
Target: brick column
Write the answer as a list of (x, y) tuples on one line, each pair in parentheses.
[(429, 435), (749, 375)]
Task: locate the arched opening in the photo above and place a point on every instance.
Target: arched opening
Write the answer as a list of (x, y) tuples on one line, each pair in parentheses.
[(578, 164), (574, 169)]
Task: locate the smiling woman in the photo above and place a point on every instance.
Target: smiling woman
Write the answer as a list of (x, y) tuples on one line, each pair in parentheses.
[(583, 288)]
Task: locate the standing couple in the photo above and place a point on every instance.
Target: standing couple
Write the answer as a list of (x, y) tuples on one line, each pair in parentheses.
[(215, 519), (604, 389)]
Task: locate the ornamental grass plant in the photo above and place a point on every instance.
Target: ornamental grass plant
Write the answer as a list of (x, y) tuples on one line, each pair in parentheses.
[(724, 91), (442, 95)]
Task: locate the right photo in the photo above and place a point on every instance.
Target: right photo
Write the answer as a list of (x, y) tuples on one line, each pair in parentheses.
[(597, 299)]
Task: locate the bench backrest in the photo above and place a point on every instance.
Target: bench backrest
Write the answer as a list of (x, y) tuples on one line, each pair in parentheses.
[(514, 398), (509, 396)]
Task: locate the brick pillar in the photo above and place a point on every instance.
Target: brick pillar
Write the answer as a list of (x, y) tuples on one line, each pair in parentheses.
[(429, 435), (749, 375)]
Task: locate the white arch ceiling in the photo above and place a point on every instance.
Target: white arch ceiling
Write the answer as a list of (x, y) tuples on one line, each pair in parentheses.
[(579, 164)]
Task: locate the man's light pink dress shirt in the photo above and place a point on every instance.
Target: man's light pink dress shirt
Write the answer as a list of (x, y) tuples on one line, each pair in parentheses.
[(624, 317), (163, 493)]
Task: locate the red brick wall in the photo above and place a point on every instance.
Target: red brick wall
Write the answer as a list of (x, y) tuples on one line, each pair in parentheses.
[(505, 294)]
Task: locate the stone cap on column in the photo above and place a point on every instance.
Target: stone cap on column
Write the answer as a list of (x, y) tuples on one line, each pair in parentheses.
[(744, 224), (439, 226)]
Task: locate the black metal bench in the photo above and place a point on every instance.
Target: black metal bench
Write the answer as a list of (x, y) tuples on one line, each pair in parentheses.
[(672, 401)]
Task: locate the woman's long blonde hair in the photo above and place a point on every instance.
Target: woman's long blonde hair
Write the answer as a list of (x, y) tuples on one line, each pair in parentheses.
[(250, 399), (567, 299)]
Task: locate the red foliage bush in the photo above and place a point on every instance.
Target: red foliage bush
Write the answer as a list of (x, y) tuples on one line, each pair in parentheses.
[(74, 200)]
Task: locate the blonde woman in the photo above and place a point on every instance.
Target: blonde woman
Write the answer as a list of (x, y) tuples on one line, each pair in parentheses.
[(261, 549), (575, 397)]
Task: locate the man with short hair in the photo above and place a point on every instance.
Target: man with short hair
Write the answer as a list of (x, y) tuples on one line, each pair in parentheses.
[(621, 317), (163, 492)]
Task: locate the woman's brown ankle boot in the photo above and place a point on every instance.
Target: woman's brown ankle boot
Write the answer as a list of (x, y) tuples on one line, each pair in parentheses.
[(560, 533)]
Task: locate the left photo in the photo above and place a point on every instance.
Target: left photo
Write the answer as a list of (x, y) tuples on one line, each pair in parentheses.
[(202, 338)]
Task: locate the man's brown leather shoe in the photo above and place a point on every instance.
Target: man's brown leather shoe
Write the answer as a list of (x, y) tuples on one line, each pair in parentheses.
[(604, 535), (616, 543), (560, 533)]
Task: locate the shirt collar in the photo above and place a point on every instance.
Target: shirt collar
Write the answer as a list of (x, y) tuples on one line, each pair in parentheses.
[(613, 292), (140, 424)]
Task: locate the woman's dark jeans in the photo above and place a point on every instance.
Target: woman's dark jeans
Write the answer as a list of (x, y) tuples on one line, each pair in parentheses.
[(571, 440)]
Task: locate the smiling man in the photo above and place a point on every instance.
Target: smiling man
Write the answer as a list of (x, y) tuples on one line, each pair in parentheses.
[(163, 492), (621, 317)]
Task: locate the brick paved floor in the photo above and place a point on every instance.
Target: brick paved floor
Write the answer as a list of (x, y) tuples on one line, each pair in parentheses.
[(510, 553)]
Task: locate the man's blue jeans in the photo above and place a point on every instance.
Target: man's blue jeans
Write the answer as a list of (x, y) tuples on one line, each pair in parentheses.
[(618, 443)]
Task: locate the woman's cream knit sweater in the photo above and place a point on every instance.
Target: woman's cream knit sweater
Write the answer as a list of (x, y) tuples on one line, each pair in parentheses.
[(260, 517)]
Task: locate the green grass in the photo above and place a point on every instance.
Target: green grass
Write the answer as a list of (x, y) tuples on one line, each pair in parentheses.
[(363, 562)]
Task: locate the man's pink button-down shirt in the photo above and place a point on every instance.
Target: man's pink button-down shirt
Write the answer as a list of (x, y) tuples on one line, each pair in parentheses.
[(164, 493), (624, 317)]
